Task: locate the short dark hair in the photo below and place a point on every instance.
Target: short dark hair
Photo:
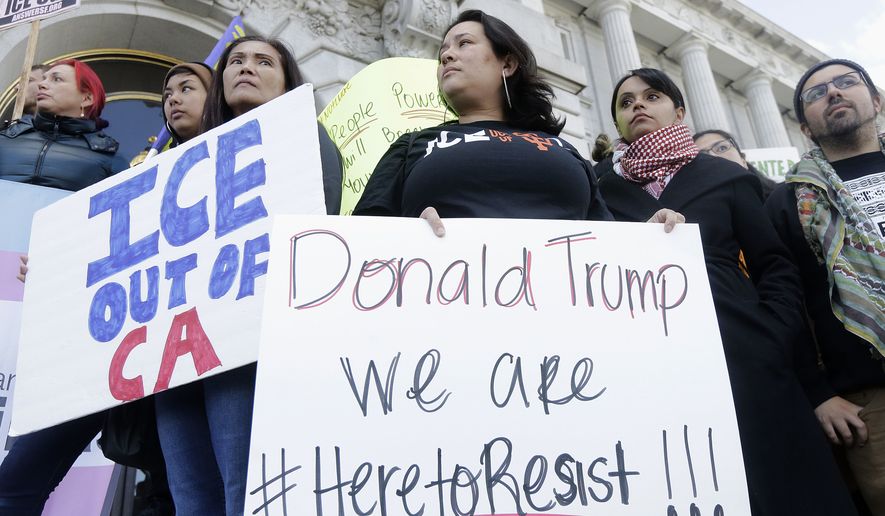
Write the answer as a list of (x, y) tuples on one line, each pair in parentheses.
[(530, 96), (657, 80), (42, 67), (217, 111), (719, 132)]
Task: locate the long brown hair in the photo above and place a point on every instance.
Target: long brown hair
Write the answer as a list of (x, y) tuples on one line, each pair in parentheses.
[(217, 111)]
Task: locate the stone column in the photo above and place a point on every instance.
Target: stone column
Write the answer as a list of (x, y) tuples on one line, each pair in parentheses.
[(768, 123), (620, 45), (414, 28), (703, 96)]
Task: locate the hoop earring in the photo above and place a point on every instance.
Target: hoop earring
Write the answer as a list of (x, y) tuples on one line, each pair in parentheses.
[(506, 92)]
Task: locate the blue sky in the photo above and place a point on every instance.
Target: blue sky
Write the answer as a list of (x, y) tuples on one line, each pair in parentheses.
[(852, 29)]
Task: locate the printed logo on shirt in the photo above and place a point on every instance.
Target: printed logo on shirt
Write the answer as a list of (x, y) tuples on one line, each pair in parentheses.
[(450, 139), (869, 192)]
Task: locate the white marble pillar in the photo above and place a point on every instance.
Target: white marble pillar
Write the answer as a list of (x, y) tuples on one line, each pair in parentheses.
[(768, 124), (701, 91), (620, 45)]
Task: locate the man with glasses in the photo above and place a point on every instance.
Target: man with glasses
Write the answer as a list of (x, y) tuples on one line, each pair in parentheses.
[(831, 213)]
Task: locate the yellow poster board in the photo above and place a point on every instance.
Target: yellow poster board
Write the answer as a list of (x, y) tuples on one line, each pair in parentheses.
[(385, 100)]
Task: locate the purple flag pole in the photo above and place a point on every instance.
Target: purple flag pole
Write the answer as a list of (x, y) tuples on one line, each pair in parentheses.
[(234, 31)]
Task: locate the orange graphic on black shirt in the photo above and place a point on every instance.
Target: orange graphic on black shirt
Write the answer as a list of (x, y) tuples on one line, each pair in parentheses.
[(533, 138)]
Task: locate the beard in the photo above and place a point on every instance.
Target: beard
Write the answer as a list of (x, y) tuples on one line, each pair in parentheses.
[(844, 128)]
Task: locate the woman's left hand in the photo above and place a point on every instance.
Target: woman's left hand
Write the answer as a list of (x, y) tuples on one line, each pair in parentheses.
[(436, 224), (668, 218)]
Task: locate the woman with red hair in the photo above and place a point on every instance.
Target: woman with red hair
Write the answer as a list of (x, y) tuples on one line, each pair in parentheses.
[(62, 146)]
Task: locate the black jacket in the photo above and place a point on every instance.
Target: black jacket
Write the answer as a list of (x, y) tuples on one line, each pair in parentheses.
[(788, 463), (58, 152)]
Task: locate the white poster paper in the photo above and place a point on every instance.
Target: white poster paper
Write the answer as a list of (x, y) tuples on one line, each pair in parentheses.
[(83, 489), (773, 162), (512, 367)]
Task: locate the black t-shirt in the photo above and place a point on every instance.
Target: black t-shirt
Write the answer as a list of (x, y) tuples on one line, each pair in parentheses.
[(483, 169), (859, 166)]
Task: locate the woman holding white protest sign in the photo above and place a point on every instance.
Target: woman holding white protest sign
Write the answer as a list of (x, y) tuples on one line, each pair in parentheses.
[(205, 426), (63, 147), (503, 157), (789, 467)]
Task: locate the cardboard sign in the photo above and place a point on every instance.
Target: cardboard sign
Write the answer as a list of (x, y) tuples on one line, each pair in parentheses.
[(14, 12), (84, 487), (773, 162), (382, 102), (511, 367), (153, 278)]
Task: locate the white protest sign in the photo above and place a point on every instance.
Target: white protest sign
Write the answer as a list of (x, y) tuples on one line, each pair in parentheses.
[(13, 12), (511, 367), (773, 162), (18, 202), (153, 277), (84, 486)]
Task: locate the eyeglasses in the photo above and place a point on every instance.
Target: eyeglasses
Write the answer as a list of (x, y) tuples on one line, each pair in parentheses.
[(718, 148), (819, 91)]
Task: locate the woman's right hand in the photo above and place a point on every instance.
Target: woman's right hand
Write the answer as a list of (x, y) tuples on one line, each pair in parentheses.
[(668, 218), (22, 268), (436, 224)]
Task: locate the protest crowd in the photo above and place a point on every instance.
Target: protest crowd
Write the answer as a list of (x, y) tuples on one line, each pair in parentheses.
[(797, 269)]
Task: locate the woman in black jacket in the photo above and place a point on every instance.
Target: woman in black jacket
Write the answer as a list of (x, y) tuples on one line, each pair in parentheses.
[(61, 147), (657, 165)]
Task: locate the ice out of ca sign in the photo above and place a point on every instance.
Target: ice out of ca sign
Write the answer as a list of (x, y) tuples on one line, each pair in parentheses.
[(153, 277), (512, 367)]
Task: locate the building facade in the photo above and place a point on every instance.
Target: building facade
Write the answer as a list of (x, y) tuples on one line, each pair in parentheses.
[(736, 68)]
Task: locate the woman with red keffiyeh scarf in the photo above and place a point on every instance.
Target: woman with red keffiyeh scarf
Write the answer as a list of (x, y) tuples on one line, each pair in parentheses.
[(789, 466)]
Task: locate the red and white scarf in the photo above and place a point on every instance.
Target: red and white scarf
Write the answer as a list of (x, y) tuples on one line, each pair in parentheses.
[(653, 160)]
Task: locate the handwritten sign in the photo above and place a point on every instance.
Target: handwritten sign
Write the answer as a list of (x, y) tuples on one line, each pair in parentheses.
[(774, 162), (511, 367), (153, 277), (13, 12), (83, 489), (382, 102)]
